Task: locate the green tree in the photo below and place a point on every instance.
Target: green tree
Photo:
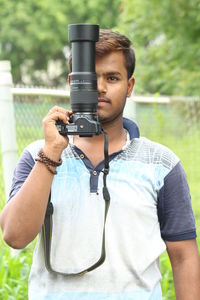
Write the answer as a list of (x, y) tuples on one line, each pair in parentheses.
[(166, 36), (28, 33), (32, 32)]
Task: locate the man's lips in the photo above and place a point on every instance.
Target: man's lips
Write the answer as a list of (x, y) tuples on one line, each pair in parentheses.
[(106, 100)]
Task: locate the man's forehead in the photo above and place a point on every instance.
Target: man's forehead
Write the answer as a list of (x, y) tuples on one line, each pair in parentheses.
[(112, 57), (113, 62)]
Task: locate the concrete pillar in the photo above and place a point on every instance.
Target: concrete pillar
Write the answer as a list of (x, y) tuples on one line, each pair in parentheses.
[(7, 125), (130, 108)]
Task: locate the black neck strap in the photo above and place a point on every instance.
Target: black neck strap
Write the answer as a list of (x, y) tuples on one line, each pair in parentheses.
[(48, 224)]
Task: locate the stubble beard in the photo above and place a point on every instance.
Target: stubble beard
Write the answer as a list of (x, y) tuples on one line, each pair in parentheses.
[(107, 119)]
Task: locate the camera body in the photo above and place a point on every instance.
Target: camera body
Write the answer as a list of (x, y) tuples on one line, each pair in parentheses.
[(83, 83), (82, 124)]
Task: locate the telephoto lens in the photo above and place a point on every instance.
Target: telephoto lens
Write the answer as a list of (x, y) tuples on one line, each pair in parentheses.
[(83, 79), (83, 82)]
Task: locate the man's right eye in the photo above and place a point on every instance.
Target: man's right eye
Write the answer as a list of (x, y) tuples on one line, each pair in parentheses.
[(112, 78)]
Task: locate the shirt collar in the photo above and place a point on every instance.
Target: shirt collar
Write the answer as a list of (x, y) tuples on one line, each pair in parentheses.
[(132, 128)]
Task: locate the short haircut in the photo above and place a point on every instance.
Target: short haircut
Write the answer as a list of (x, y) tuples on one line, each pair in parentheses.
[(110, 41)]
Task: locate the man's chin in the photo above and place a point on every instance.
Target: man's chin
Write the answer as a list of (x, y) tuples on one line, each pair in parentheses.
[(102, 119), (106, 119)]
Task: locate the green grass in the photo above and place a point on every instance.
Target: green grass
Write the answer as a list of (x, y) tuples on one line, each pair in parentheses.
[(161, 124), (14, 270)]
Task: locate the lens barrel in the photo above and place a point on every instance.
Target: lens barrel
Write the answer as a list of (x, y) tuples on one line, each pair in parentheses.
[(83, 79)]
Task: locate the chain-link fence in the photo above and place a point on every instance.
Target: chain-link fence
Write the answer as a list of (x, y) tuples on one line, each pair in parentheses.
[(29, 112), (176, 124)]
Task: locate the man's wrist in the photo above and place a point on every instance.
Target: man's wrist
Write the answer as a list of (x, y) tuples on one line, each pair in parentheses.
[(48, 162), (53, 152)]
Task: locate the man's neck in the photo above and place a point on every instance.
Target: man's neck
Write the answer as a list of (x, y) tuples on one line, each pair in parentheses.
[(115, 132), (93, 147)]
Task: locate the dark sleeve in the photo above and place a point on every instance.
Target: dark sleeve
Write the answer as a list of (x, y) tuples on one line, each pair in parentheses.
[(174, 207), (22, 170)]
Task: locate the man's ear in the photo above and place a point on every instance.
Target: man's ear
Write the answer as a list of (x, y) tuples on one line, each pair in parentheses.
[(69, 78), (131, 83)]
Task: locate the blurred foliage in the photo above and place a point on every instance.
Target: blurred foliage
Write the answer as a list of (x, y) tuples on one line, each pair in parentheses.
[(165, 35), (33, 32)]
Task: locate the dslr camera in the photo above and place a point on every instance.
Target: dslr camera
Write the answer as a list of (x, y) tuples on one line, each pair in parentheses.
[(83, 83)]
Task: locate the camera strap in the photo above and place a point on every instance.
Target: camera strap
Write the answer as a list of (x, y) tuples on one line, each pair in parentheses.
[(48, 223)]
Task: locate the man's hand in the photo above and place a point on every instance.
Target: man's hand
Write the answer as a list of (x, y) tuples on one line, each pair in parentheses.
[(55, 143)]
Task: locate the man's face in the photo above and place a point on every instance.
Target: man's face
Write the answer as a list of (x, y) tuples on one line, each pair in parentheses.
[(113, 86)]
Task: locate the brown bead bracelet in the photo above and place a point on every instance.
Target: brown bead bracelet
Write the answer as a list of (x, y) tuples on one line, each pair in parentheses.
[(48, 162)]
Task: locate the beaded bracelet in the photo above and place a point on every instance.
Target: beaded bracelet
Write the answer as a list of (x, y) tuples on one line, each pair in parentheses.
[(47, 161)]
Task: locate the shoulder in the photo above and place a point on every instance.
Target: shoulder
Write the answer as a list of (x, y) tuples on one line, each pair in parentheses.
[(150, 152), (34, 147), (27, 158), (24, 166)]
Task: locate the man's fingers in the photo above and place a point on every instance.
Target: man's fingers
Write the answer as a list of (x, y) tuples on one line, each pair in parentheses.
[(53, 117), (59, 109), (59, 116)]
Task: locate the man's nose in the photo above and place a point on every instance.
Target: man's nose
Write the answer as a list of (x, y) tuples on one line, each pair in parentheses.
[(101, 85)]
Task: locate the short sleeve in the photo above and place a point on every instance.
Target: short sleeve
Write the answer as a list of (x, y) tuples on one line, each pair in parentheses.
[(174, 207), (21, 172)]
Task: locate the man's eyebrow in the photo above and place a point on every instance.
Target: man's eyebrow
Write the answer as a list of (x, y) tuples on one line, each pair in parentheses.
[(112, 73)]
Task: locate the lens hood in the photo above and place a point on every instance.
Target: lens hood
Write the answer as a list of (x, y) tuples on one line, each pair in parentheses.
[(83, 32)]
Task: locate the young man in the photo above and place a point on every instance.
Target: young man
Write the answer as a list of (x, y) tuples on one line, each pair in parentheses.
[(150, 208)]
